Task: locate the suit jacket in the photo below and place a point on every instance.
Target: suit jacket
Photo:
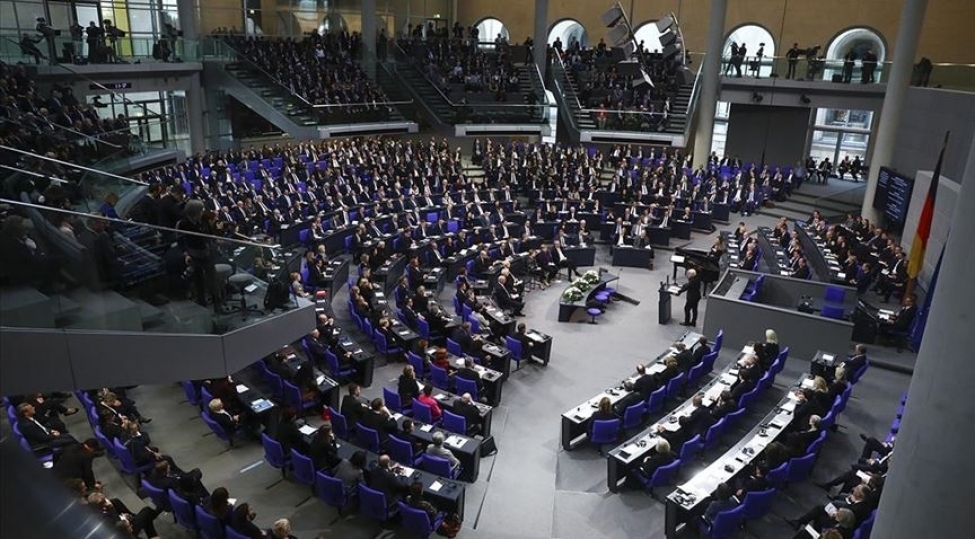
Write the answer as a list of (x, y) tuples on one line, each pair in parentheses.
[(693, 289), (388, 482), (34, 433), (75, 462), (656, 461), (470, 412), (225, 420), (379, 422), (323, 453), (352, 409), (445, 453)]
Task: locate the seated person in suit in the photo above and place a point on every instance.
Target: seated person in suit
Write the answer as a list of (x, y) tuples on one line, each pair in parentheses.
[(684, 357), (75, 462), (527, 343), (38, 435), (507, 300), (644, 383), (855, 507), (323, 449), (722, 502), (901, 321), (229, 422), (436, 448), (141, 448), (700, 417), (661, 456), (799, 441), (700, 350), (856, 360), (679, 437), (218, 505), (407, 433), (415, 500), (724, 406), (468, 373), (349, 471), (426, 398), (441, 359), (604, 411), (465, 407), (283, 428), (756, 481), (481, 264), (353, 405), (188, 485), (242, 521), (633, 398), (379, 418), (383, 478), (670, 371), (768, 351), (406, 385), (278, 364)]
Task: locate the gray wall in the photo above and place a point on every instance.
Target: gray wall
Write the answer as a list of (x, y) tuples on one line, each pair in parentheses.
[(927, 114), (47, 360), (779, 132), (803, 333)]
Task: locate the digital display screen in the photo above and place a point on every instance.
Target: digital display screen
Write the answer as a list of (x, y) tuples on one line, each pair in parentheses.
[(893, 196)]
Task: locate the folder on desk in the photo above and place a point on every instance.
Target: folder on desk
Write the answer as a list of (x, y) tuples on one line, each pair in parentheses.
[(426, 428), (241, 388), (436, 485), (307, 430)]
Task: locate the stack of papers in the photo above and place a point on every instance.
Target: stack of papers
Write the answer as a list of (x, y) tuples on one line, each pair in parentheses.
[(435, 486), (455, 440), (426, 428), (306, 430)]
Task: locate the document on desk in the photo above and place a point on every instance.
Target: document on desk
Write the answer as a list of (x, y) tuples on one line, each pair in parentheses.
[(440, 396), (748, 349), (436, 485), (789, 405), (671, 426), (828, 357), (307, 430), (406, 471), (813, 533), (426, 428), (655, 368), (455, 440), (320, 379), (241, 388), (713, 393), (808, 384), (863, 476), (728, 379), (397, 416)]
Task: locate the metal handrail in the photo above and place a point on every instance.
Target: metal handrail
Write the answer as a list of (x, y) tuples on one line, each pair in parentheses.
[(565, 76), (77, 133), (831, 196), (91, 81), (72, 165), (240, 57), (447, 99), (126, 222), (694, 91)]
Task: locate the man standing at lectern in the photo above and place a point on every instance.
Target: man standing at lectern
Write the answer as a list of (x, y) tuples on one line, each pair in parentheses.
[(693, 289)]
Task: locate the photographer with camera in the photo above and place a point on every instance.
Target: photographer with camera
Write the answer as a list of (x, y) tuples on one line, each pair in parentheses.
[(113, 33), (47, 33), (95, 37)]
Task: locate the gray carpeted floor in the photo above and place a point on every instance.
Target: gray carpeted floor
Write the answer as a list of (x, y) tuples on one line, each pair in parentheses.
[(531, 488)]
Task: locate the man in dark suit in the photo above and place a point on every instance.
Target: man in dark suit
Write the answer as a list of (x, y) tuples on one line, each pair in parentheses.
[(901, 321), (481, 264), (467, 372), (684, 356), (75, 462), (644, 383), (693, 290), (506, 299), (465, 407), (39, 436), (383, 479), (700, 350), (379, 418), (857, 360), (353, 406)]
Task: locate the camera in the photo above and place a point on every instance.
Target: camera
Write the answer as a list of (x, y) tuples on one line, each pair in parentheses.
[(45, 29)]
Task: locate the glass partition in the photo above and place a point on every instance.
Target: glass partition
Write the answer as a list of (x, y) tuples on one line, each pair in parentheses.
[(76, 270)]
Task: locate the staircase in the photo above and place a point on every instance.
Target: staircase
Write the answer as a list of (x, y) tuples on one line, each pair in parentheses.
[(678, 105), (426, 93), (269, 101), (810, 197)]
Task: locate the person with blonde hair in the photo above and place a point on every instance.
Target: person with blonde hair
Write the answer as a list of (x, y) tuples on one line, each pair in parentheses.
[(661, 456), (281, 529), (768, 351)]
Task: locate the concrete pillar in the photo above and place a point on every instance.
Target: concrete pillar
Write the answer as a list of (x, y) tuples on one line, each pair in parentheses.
[(927, 493), (540, 53), (709, 82), (898, 79), (369, 37), (186, 9)]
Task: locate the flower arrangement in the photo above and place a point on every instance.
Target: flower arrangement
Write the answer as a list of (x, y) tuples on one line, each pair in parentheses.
[(572, 294), (591, 277), (582, 284)]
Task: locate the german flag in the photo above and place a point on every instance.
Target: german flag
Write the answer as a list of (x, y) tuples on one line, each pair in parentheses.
[(915, 261)]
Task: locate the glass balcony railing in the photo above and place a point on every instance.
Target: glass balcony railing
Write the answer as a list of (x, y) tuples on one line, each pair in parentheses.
[(475, 107), (64, 49), (279, 95), (80, 271)]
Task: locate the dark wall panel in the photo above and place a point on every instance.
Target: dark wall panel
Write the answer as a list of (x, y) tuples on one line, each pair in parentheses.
[(26, 353), (778, 132)]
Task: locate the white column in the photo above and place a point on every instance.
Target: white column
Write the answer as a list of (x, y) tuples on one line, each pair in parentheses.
[(186, 9), (927, 493), (540, 38), (912, 19), (709, 82)]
